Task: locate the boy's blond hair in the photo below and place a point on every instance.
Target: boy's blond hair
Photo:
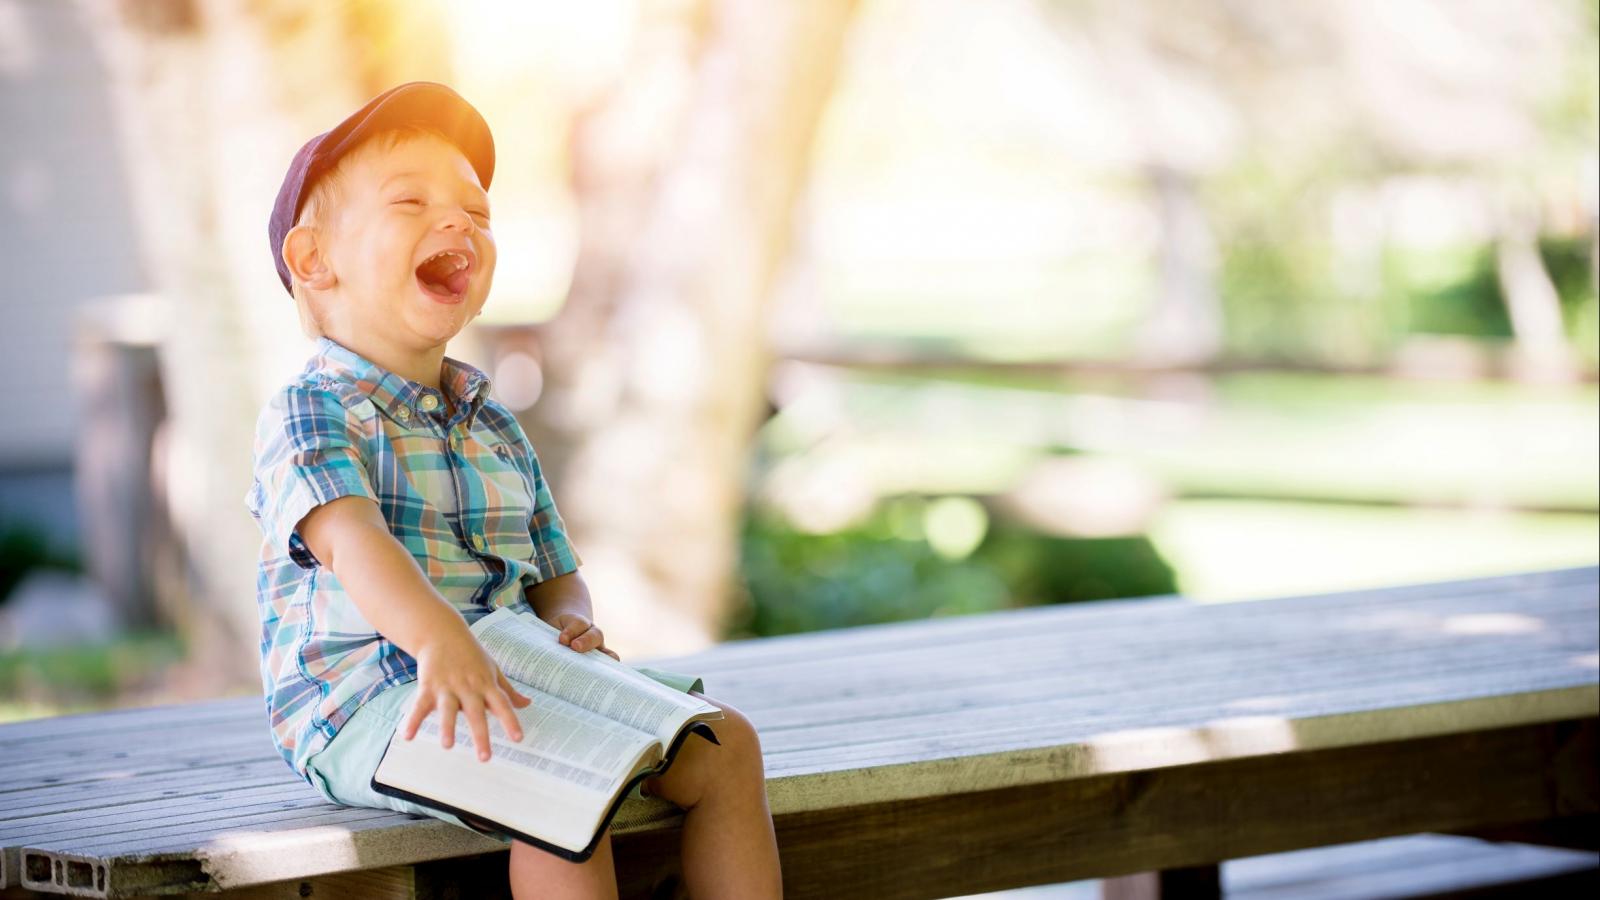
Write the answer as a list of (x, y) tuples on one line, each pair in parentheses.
[(324, 197)]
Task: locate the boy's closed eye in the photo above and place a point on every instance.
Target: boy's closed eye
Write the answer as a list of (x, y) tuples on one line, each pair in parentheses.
[(480, 213)]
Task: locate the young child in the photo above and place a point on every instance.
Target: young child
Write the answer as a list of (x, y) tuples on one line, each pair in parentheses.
[(400, 501)]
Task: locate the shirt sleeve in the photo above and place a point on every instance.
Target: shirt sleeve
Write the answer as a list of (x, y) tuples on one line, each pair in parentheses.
[(557, 556), (310, 449)]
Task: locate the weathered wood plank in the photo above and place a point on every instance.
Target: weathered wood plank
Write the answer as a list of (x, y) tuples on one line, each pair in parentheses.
[(159, 837), (778, 804), (1116, 658), (480, 877), (830, 783), (115, 789), (1073, 705), (913, 712), (196, 809), (135, 735), (1414, 866), (1132, 614), (997, 698), (954, 666), (226, 750), (1175, 817), (1172, 747), (1087, 698), (204, 713), (396, 883)]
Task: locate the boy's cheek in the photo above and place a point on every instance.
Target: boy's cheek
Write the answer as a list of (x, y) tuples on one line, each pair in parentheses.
[(486, 279)]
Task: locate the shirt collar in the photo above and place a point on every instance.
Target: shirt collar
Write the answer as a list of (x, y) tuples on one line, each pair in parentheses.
[(399, 397)]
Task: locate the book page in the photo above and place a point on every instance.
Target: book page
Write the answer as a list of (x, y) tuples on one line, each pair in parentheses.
[(532, 792), (527, 650), (567, 742)]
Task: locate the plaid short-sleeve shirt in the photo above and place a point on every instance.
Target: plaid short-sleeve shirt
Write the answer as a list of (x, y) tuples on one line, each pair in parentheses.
[(462, 492)]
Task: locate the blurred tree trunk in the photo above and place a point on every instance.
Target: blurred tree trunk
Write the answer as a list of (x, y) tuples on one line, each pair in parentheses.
[(205, 90), (656, 367), (1184, 326), (1541, 351)]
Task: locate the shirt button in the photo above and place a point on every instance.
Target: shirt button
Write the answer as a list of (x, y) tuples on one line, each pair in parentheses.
[(455, 439), (429, 403), (480, 543), (403, 413)]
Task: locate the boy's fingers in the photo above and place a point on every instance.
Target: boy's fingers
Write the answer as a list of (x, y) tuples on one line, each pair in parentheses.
[(575, 626), (447, 721), (611, 653), (477, 724), (512, 692), (508, 717), (419, 711), (588, 640)]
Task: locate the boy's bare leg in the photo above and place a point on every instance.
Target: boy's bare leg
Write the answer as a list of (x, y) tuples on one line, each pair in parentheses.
[(729, 849), (540, 874)]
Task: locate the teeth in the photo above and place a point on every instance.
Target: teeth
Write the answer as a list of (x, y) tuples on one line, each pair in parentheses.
[(459, 260)]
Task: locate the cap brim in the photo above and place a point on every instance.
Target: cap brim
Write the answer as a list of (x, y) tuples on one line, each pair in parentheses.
[(417, 102)]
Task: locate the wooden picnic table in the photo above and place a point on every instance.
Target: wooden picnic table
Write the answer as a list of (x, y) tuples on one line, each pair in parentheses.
[(933, 758)]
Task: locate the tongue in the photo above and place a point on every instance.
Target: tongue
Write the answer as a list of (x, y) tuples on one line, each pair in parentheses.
[(436, 281)]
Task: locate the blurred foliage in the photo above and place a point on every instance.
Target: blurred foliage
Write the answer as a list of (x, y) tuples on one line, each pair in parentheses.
[(874, 573), (1279, 278), (22, 549), (1569, 263), (1457, 291), (1449, 291), (1281, 303), (87, 673)]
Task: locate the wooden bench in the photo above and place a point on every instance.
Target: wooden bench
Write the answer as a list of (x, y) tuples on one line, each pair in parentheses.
[(942, 757)]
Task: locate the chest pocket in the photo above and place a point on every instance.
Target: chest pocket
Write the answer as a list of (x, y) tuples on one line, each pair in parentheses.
[(506, 511)]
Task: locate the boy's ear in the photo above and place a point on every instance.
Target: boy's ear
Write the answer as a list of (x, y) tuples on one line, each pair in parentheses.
[(305, 260)]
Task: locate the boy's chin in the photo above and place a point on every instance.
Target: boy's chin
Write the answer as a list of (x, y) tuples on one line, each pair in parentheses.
[(443, 321)]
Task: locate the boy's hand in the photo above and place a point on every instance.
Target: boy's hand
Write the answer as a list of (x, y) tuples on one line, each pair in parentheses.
[(455, 673), (581, 634)]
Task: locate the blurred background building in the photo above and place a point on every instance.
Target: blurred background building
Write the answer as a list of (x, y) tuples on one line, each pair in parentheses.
[(831, 312)]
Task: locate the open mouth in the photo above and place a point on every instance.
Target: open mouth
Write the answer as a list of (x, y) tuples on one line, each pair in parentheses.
[(446, 274)]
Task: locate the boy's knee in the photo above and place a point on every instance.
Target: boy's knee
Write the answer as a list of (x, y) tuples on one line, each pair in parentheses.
[(737, 732), (738, 742), (738, 749)]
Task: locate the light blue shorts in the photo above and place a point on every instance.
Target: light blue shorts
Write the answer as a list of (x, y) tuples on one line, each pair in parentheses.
[(342, 771)]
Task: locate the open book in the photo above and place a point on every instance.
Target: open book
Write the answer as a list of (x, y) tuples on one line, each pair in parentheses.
[(595, 728)]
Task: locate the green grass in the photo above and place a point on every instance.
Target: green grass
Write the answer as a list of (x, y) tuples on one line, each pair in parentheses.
[(1232, 550), (1278, 483), (76, 678), (1284, 436)]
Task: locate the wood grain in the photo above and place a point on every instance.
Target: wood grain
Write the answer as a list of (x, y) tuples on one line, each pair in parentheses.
[(934, 734)]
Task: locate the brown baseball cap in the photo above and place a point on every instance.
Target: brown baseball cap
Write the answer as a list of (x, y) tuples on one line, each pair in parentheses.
[(420, 102)]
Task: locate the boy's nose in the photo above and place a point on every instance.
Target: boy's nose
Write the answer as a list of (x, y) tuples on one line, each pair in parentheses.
[(459, 220)]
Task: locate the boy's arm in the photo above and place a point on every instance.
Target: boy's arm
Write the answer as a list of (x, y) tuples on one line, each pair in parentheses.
[(349, 536), (564, 602)]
